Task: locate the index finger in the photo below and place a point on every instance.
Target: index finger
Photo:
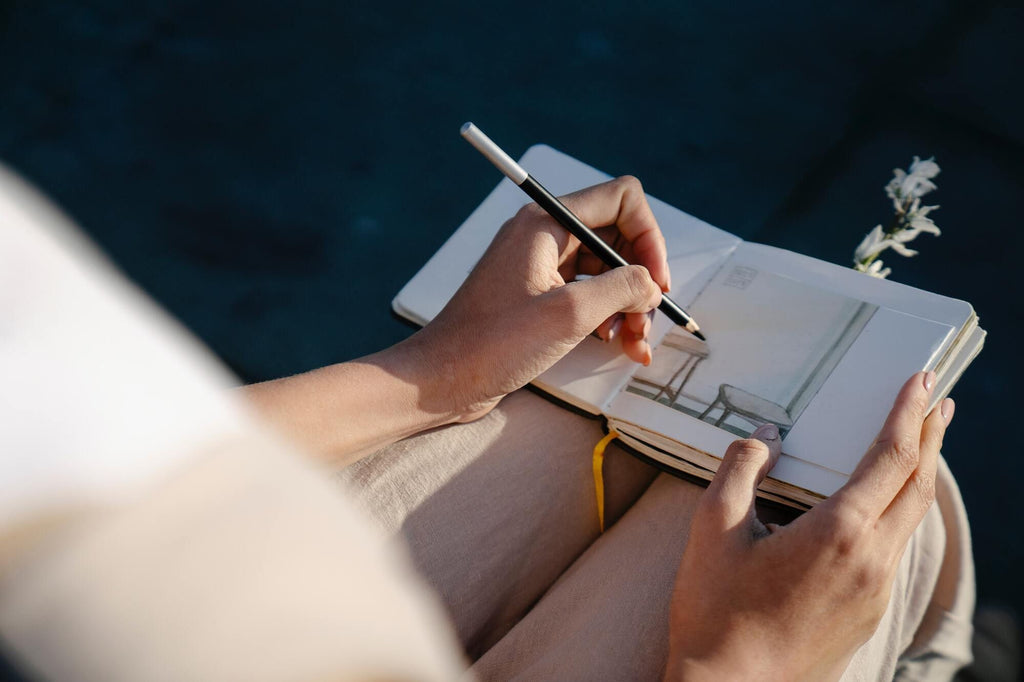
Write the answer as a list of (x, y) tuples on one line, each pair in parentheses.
[(895, 454), (622, 202)]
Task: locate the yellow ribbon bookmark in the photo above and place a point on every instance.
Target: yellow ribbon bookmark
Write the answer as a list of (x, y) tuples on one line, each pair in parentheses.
[(599, 473)]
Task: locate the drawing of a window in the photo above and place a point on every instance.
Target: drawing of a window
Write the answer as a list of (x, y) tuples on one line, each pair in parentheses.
[(772, 343)]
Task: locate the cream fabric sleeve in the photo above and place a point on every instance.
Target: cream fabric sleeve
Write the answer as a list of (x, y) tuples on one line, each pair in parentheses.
[(149, 527)]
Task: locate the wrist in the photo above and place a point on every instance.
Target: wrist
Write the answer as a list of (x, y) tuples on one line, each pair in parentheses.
[(345, 411), (452, 385), (426, 379)]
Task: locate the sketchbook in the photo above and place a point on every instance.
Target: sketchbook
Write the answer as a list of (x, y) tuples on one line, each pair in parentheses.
[(818, 349)]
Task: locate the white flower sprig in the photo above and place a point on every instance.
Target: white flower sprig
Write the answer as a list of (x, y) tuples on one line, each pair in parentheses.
[(911, 219)]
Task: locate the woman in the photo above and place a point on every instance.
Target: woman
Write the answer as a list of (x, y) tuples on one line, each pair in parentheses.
[(153, 529)]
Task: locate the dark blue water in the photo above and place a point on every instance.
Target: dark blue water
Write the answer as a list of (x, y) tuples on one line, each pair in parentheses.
[(273, 172)]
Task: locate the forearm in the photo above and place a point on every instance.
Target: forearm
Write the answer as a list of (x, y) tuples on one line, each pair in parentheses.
[(342, 412), (509, 322)]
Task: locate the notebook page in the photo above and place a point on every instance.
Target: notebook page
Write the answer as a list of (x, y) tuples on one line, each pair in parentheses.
[(822, 365)]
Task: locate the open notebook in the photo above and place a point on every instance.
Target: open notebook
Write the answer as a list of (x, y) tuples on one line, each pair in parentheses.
[(818, 349)]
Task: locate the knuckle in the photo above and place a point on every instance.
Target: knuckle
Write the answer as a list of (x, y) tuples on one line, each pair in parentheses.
[(526, 215), (919, 404), (871, 583), (905, 453), (924, 491), (638, 281), (749, 452), (630, 182), (848, 531), (844, 541), (869, 578)]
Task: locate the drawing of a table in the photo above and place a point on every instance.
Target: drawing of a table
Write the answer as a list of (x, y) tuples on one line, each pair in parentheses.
[(753, 408)]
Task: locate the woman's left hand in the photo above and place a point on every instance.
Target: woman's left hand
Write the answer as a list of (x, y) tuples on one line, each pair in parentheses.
[(795, 602)]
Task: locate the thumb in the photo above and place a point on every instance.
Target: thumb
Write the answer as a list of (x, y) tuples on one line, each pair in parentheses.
[(728, 503), (626, 289)]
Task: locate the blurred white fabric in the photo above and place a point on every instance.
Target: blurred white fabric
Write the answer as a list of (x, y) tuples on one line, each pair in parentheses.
[(150, 529), (102, 392)]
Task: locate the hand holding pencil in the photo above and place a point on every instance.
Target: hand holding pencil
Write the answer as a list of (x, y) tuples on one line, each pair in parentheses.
[(520, 310), (567, 219)]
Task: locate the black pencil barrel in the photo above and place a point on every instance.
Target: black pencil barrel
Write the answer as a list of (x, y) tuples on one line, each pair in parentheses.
[(597, 246), (574, 225)]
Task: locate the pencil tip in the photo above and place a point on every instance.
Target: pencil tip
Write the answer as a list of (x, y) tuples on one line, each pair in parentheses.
[(700, 336)]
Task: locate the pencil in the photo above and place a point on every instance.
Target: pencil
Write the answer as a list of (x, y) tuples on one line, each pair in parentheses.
[(566, 218)]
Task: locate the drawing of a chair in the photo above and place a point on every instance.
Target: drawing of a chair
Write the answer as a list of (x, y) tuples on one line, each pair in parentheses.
[(744, 404), (695, 350)]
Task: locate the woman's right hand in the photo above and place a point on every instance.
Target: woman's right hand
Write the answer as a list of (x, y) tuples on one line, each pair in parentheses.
[(795, 602), (521, 308)]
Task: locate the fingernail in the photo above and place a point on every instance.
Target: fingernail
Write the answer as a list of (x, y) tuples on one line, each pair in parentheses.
[(647, 356), (929, 380), (766, 432), (947, 409), (613, 331)]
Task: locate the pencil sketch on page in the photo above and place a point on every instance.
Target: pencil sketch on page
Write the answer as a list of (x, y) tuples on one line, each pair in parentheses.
[(772, 343)]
